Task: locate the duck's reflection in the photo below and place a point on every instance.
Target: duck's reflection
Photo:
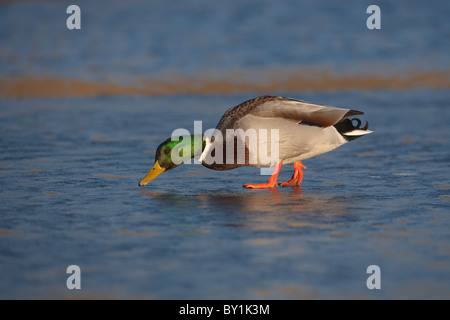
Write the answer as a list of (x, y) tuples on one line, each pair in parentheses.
[(261, 209)]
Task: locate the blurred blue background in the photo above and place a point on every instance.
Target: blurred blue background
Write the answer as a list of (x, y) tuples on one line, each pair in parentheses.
[(120, 40)]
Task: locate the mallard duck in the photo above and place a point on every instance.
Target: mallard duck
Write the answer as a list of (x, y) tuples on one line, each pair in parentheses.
[(303, 130)]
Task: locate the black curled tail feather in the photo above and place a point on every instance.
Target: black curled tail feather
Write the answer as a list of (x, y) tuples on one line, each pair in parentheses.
[(348, 125), (352, 113)]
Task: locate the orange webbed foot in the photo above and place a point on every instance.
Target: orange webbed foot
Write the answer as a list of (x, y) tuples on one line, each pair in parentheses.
[(259, 186), (297, 177), (272, 183)]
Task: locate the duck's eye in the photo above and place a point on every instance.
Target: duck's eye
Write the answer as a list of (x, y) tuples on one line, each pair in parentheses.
[(167, 151)]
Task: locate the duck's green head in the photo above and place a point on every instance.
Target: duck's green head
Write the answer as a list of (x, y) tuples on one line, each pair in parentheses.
[(163, 161), (166, 159)]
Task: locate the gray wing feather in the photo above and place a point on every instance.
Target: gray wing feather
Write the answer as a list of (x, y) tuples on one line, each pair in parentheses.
[(285, 108)]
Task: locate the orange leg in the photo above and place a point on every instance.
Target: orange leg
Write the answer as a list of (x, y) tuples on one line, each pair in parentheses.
[(296, 177), (272, 180)]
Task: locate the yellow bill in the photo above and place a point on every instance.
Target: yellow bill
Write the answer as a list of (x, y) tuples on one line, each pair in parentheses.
[(156, 171)]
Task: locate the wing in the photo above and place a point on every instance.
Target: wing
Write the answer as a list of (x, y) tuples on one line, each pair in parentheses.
[(301, 111), (285, 108)]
